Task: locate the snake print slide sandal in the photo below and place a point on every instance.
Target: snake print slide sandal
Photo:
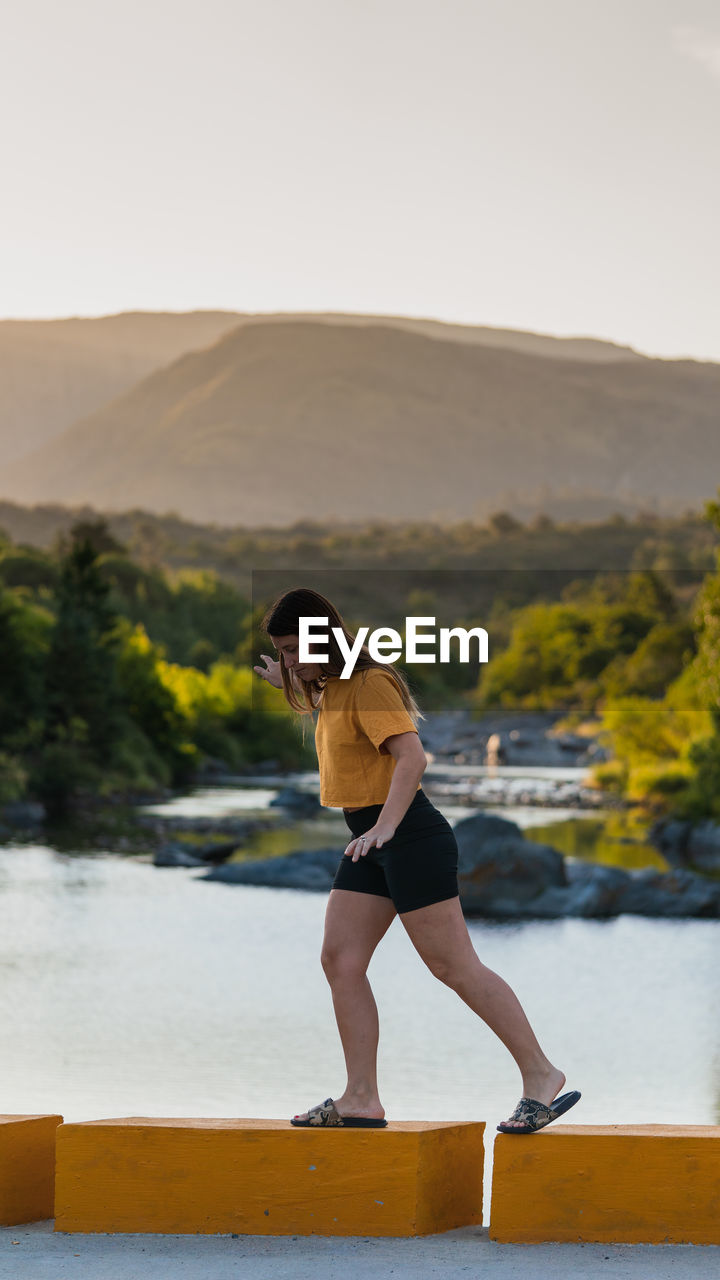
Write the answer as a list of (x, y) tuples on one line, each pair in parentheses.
[(534, 1115), (327, 1114)]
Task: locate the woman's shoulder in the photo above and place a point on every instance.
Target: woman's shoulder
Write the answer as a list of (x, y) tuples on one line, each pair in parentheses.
[(377, 682), (361, 678), (374, 676), (374, 673)]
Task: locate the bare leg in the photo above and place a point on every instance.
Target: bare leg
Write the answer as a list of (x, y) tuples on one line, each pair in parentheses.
[(440, 935), (354, 925)]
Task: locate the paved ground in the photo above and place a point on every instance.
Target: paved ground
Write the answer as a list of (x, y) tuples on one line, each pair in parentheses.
[(40, 1254)]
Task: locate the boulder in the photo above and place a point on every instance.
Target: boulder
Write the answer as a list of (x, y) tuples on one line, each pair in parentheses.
[(503, 876), (312, 869), (599, 892), (178, 853), (670, 836), (688, 844), (673, 894), (592, 892), (174, 854), (216, 851), (304, 802), (498, 869), (703, 846)]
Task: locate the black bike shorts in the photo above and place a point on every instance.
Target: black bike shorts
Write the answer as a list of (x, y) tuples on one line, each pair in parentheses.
[(417, 867)]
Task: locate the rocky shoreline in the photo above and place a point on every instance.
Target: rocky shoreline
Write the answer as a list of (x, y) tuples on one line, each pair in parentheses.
[(540, 793), (169, 840), (449, 737), (521, 740), (504, 876)]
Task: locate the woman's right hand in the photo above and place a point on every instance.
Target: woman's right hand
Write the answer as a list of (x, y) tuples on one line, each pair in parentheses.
[(271, 671)]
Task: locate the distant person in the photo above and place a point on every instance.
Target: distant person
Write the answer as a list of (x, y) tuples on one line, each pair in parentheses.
[(402, 860), (495, 751)]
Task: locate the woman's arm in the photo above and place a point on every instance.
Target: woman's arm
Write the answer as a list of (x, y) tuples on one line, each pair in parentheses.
[(410, 765)]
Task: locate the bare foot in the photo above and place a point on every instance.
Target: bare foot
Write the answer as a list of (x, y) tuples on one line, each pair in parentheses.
[(543, 1086), (348, 1106)]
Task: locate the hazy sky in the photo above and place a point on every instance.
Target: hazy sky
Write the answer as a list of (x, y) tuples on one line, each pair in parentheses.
[(534, 164)]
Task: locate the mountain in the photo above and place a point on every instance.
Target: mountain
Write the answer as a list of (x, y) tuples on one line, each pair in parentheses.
[(54, 372), (541, 344), (298, 419)]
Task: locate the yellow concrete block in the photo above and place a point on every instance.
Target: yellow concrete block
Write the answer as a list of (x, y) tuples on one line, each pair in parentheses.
[(264, 1177), (623, 1184), (27, 1168)]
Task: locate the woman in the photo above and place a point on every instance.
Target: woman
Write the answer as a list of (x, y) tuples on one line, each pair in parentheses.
[(401, 860)]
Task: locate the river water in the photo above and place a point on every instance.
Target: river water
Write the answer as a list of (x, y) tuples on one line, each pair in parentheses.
[(128, 989)]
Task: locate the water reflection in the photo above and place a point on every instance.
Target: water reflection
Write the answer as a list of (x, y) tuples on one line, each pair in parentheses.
[(616, 838)]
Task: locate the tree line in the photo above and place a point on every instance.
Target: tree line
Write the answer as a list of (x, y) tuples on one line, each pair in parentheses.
[(121, 677)]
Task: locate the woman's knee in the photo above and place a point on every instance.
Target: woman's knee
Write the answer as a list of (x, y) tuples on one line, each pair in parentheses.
[(454, 968), (340, 961), (354, 925), (442, 969)]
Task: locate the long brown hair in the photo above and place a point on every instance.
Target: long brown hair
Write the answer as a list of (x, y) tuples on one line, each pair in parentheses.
[(283, 619)]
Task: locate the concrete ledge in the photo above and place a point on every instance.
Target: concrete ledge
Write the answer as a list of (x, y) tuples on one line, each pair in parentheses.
[(623, 1184), (264, 1177), (27, 1168)]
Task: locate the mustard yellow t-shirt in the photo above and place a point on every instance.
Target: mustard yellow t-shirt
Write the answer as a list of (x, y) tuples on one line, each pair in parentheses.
[(355, 717)]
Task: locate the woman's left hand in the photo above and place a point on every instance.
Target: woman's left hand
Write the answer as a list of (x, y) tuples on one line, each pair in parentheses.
[(377, 836)]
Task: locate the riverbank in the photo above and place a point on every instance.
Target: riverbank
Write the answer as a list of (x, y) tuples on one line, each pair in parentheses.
[(520, 740)]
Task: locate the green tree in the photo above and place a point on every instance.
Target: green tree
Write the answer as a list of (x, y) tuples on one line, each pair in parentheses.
[(669, 746), (150, 705), (24, 641), (83, 712), (656, 662), (501, 523)]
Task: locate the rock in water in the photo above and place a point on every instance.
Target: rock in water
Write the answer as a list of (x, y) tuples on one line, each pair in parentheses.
[(503, 876), (500, 871), (703, 846), (688, 844), (174, 854), (306, 869), (304, 802)]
